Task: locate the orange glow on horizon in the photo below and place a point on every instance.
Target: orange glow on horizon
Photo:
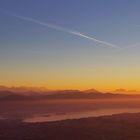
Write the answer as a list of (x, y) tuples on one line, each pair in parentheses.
[(105, 88)]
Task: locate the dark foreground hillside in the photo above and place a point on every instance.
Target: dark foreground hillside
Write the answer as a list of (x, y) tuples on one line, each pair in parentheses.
[(116, 127)]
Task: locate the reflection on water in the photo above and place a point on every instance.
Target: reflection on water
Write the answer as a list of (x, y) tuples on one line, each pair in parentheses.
[(2, 118), (77, 115), (53, 110)]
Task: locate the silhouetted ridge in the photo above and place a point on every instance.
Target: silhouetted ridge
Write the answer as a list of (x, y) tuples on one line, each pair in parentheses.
[(61, 94)]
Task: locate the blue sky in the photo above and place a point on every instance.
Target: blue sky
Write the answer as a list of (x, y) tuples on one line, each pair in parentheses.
[(27, 46), (112, 20)]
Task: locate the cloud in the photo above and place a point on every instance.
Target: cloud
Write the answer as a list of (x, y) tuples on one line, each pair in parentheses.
[(58, 28)]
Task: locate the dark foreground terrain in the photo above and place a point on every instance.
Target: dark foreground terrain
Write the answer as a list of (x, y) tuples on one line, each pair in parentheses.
[(116, 127)]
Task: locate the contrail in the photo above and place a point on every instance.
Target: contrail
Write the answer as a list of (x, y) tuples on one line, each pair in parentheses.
[(124, 49), (56, 27), (94, 39)]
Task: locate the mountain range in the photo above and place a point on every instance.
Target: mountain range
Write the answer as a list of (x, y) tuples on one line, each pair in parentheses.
[(8, 94)]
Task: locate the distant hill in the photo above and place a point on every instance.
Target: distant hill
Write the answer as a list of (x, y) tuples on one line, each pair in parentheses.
[(8, 95), (61, 94), (92, 91), (22, 89), (91, 95), (124, 91)]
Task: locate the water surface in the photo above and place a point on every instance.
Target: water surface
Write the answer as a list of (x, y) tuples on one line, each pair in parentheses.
[(77, 115)]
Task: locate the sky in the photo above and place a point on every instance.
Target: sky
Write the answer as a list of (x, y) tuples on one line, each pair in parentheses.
[(70, 44)]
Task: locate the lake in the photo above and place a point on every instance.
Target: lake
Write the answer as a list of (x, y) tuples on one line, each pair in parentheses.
[(77, 115), (55, 110)]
